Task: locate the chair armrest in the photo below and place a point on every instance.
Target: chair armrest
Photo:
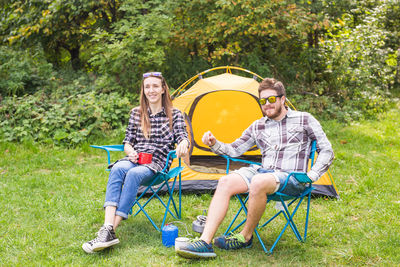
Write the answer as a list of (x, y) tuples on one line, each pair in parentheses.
[(301, 177), (109, 148), (171, 154), (229, 159)]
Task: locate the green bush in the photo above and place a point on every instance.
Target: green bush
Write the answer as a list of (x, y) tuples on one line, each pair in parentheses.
[(63, 121), (23, 71), (136, 45), (325, 108), (359, 67)]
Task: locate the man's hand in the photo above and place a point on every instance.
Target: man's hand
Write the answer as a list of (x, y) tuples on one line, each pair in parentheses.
[(182, 148), (209, 139)]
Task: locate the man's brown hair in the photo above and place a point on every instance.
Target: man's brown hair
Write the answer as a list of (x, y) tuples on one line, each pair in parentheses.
[(273, 84)]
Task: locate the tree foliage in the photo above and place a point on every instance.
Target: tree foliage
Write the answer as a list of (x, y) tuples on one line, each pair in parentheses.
[(23, 71), (120, 39), (336, 57), (57, 25), (135, 44)]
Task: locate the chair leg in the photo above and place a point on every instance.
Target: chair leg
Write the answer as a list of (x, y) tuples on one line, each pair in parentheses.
[(180, 197), (271, 219), (289, 221), (137, 200), (261, 242), (289, 217), (243, 207), (170, 199), (286, 213), (150, 198), (155, 194), (170, 192), (308, 212), (148, 217), (166, 206)]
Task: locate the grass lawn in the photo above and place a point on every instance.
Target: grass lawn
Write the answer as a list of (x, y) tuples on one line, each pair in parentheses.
[(51, 202)]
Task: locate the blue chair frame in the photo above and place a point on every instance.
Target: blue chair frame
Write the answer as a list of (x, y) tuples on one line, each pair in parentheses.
[(160, 180), (278, 197)]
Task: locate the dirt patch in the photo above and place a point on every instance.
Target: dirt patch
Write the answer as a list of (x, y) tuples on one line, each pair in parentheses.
[(206, 169)]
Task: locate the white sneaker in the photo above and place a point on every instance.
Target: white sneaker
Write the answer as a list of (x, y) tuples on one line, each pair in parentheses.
[(105, 238)]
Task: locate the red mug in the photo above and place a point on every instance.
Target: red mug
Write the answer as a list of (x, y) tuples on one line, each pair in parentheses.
[(145, 158)]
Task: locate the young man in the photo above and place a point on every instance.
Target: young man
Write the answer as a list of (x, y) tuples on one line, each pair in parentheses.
[(283, 137)]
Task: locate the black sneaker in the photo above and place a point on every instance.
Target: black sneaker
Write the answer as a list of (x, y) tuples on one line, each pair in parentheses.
[(235, 241), (196, 250), (105, 238)]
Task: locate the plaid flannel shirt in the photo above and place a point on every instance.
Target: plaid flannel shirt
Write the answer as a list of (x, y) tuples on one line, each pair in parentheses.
[(285, 145), (162, 140)]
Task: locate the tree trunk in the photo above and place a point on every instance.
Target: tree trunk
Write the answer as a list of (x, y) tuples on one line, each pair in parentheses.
[(75, 60), (397, 77), (313, 41)]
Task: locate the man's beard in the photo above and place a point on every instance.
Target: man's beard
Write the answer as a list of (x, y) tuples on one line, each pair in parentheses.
[(277, 111)]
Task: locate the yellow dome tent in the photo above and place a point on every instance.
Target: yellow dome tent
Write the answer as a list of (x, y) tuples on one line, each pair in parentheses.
[(226, 104)]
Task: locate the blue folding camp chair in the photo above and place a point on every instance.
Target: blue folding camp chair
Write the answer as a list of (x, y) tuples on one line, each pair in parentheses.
[(279, 197), (161, 179)]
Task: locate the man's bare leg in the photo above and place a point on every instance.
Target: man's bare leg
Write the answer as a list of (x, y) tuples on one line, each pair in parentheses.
[(228, 186), (262, 184)]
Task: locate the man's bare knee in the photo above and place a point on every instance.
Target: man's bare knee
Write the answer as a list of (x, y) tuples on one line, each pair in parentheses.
[(224, 181), (262, 183), (231, 184)]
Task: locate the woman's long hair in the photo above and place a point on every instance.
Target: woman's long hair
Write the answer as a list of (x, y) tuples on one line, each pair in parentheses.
[(144, 106)]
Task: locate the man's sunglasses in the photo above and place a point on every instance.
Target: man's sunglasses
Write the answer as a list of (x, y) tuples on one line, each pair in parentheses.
[(148, 74), (271, 99)]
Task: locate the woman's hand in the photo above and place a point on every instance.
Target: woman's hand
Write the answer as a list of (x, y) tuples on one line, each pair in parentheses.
[(182, 148), (133, 156)]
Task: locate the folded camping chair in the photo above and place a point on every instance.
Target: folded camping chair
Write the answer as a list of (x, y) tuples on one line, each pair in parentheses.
[(281, 198), (153, 187)]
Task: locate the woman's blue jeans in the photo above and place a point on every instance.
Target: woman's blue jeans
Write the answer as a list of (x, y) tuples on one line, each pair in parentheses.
[(123, 183)]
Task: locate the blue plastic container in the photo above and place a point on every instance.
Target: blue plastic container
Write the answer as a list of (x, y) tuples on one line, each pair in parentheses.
[(169, 232)]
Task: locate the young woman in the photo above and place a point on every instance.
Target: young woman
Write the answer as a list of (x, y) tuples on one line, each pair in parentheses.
[(154, 127)]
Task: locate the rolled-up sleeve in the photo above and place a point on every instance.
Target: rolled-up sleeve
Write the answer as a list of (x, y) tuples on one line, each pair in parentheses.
[(324, 148), (179, 127)]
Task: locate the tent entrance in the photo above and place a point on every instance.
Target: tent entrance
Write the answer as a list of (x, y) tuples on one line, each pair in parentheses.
[(226, 113), (217, 164)]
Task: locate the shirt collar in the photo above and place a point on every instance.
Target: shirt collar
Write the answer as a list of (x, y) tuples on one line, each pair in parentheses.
[(289, 113), (162, 112)]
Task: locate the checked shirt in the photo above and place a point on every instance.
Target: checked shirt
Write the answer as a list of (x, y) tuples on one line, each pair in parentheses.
[(162, 140), (284, 145)]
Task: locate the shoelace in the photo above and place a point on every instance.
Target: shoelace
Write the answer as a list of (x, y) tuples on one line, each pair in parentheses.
[(199, 246), (193, 240), (235, 240), (101, 234)]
